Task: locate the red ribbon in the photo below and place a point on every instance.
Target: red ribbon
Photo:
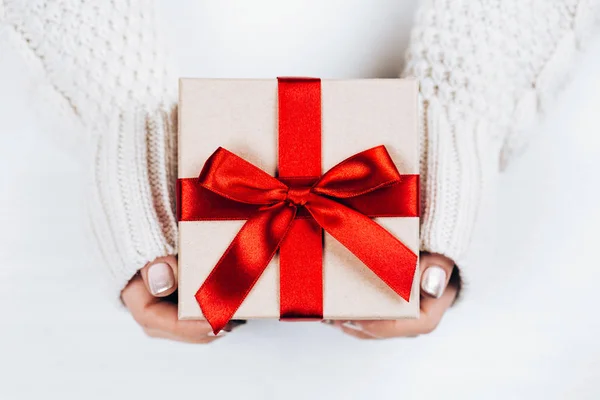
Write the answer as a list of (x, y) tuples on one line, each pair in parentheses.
[(288, 213)]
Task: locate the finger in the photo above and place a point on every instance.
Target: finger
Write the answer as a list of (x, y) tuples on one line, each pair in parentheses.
[(435, 300), (160, 276), (159, 317), (162, 317), (136, 296), (158, 334), (435, 274), (432, 311)]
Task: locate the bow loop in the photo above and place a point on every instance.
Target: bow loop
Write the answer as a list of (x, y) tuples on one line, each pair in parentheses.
[(362, 173), (234, 178)]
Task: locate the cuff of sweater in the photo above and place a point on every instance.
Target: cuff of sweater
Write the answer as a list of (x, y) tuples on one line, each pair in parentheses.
[(459, 159), (131, 198)]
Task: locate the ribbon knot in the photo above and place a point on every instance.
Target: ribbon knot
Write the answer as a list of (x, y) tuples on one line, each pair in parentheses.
[(297, 196)]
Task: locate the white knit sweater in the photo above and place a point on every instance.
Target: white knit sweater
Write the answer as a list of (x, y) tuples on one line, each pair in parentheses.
[(487, 69)]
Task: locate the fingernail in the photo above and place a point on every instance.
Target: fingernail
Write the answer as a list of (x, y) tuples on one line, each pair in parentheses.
[(231, 325), (221, 333), (433, 281), (352, 325), (327, 321), (359, 328), (160, 278)]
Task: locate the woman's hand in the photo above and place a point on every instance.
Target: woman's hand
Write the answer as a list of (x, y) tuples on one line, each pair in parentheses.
[(148, 296), (438, 292)]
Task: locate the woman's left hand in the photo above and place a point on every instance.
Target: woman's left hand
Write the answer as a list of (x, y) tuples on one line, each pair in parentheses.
[(438, 293)]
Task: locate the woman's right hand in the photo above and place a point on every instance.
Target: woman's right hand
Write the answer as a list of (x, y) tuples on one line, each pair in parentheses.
[(148, 298)]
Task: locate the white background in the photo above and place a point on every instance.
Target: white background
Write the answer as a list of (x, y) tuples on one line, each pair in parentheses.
[(528, 326)]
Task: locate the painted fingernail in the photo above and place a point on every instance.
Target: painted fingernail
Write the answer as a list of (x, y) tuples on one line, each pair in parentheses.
[(359, 328), (352, 325), (160, 278), (221, 333), (231, 325), (433, 281)]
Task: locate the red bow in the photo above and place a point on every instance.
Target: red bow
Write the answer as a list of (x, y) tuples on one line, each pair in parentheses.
[(334, 201)]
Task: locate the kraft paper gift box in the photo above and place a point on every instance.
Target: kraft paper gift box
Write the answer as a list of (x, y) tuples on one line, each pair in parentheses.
[(241, 115)]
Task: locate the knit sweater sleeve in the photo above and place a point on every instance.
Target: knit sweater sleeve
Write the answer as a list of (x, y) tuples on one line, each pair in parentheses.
[(487, 70), (101, 69)]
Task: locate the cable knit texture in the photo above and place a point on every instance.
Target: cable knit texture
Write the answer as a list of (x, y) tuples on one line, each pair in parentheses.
[(106, 76), (487, 69)]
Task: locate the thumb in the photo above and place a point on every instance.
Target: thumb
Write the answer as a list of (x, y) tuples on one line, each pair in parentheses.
[(160, 276), (435, 273)]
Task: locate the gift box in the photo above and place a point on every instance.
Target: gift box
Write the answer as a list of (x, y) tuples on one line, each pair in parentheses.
[(298, 199)]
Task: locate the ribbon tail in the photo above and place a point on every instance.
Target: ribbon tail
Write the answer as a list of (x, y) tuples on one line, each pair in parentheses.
[(243, 263), (379, 250)]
